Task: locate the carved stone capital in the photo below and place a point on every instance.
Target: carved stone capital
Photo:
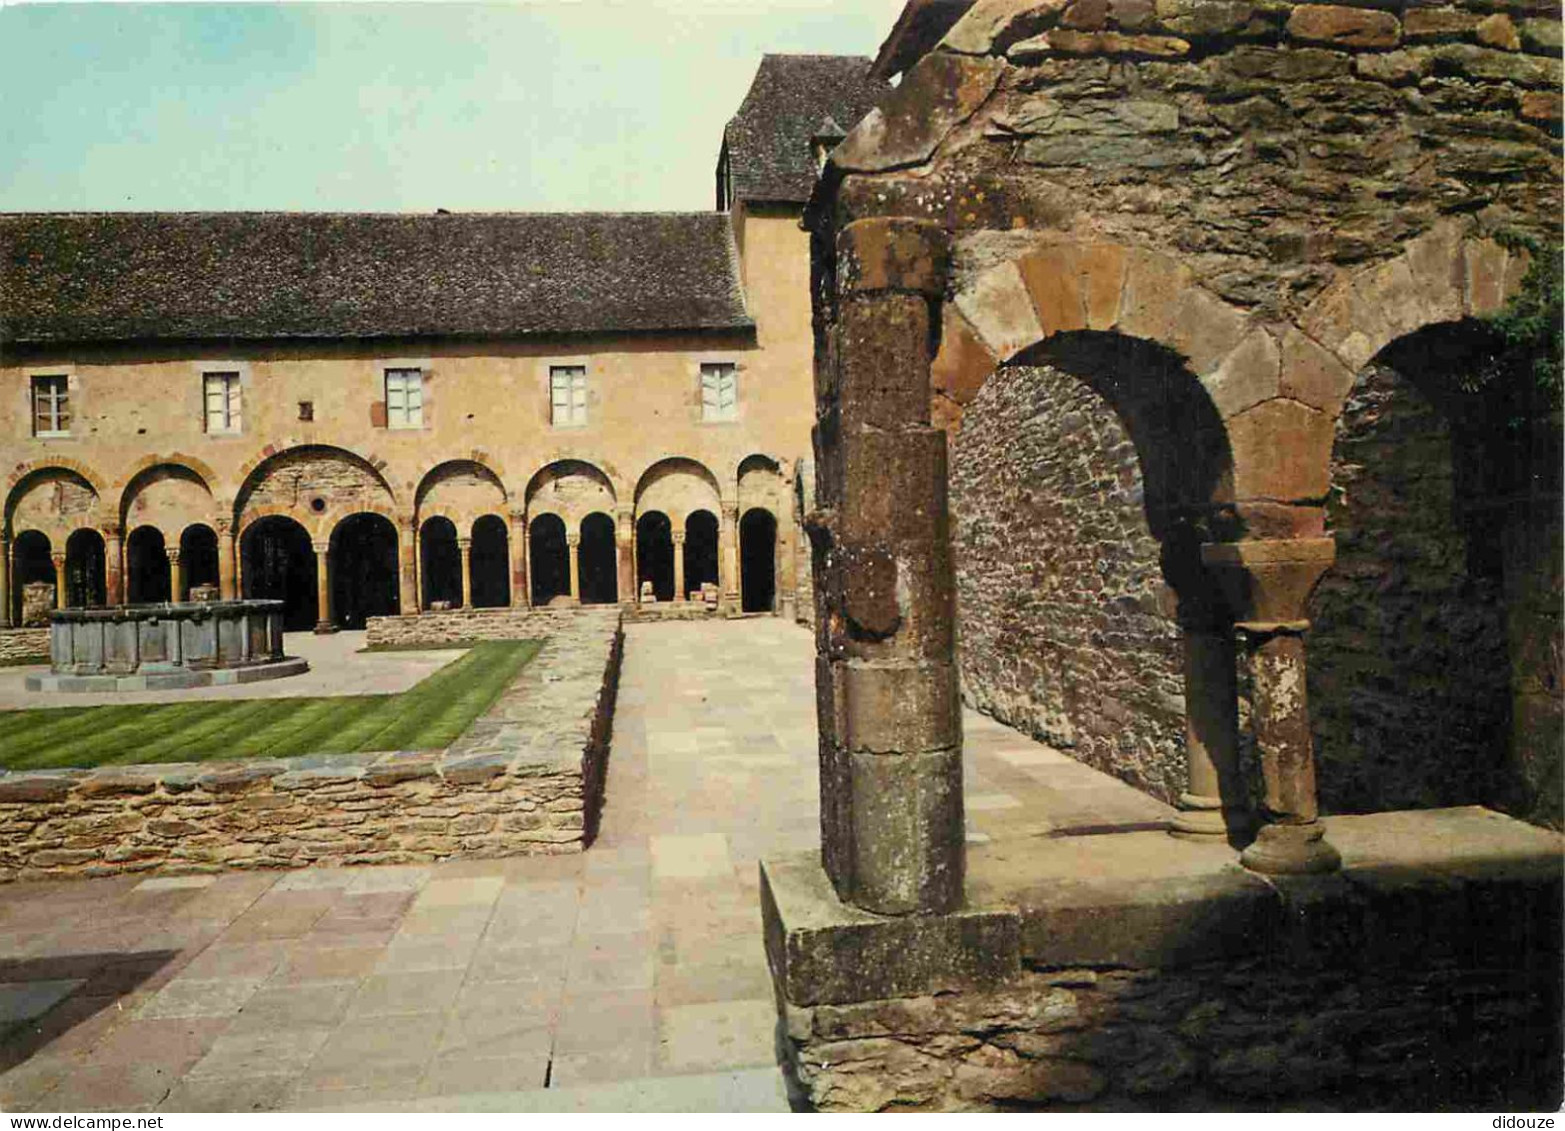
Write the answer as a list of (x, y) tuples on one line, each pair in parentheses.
[(1268, 583)]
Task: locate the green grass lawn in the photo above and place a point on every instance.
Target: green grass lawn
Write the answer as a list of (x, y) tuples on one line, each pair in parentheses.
[(427, 716)]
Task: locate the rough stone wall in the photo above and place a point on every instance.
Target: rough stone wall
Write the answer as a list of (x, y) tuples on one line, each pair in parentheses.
[(54, 502), (24, 645), (1064, 630), (464, 490), (527, 777), (1409, 678), (480, 624), (294, 478)]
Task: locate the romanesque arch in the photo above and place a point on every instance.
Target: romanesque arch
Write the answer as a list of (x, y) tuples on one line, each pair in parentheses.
[(571, 489), (315, 485), (54, 499), (461, 490), (167, 495), (678, 486)]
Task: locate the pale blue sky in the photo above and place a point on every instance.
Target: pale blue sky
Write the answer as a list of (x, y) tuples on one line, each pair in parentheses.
[(552, 105)]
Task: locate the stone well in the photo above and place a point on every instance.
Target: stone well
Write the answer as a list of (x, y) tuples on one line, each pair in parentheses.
[(166, 645)]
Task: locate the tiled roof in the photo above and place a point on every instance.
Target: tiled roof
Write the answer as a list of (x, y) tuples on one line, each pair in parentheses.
[(768, 140), (249, 275)]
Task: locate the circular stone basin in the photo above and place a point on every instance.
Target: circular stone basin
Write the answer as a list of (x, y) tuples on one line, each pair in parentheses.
[(166, 645)]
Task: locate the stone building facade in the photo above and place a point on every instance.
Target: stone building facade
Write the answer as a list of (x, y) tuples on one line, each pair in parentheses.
[(376, 414)]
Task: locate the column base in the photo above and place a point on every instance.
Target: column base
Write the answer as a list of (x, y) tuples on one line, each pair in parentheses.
[(1291, 850), (325, 628), (1199, 818)]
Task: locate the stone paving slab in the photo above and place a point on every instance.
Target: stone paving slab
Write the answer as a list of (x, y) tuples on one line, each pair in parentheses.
[(631, 977)]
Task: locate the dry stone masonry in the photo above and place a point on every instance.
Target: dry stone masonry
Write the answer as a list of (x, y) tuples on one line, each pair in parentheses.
[(527, 777)]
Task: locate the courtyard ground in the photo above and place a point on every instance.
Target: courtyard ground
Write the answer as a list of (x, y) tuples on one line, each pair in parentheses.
[(428, 716), (628, 977)]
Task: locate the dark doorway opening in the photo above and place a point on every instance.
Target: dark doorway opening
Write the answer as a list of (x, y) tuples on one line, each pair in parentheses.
[(758, 561), (700, 550), (599, 567), (147, 573), (441, 567), (84, 562), (363, 570), (31, 562), (197, 558), (279, 565), (551, 563), (655, 554), (491, 563)]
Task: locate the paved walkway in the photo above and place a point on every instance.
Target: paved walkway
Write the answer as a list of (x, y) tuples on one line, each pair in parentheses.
[(337, 667), (630, 976)]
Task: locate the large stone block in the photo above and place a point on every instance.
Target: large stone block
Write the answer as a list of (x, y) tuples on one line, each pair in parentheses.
[(938, 94), (963, 362), (1343, 26), (1281, 452), (900, 707), (908, 831), (892, 253), (999, 306), (883, 367)]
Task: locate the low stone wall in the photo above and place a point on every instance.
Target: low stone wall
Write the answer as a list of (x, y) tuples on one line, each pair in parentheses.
[(673, 610), (1136, 972), (24, 645), (527, 777), (478, 624)]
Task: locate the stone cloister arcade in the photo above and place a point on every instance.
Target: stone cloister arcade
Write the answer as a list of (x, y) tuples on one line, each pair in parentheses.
[(327, 531)]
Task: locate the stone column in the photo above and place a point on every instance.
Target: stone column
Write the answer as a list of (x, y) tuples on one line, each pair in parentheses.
[(176, 576), (728, 555), (418, 569), (1212, 805), (573, 559), (227, 576), (517, 545), (1269, 584), (113, 566), (58, 558), (679, 566), (892, 823), (625, 554), (5, 580), (323, 587), (464, 547), (527, 560), (407, 567)]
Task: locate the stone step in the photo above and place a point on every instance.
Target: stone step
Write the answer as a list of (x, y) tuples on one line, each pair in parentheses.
[(740, 1090)]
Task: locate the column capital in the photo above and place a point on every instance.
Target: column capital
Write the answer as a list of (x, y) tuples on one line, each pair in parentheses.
[(573, 540), (108, 530), (222, 526), (58, 557), (173, 554), (464, 544), (321, 547), (624, 512), (1268, 582), (678, 537), (731, 511), (517, 514), (407, 523)]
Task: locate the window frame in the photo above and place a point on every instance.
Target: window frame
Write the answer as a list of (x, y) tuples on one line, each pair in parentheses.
[(402, 370), (577, 394), (233, 381), (721, 368), (35, 383)]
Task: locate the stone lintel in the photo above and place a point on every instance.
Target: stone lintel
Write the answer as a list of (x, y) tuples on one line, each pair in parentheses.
[(1413, 885)]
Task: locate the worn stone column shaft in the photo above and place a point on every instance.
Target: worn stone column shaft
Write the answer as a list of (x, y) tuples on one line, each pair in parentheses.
[(407, 571), (113, 566), (728, 553), (517, 545), (5, 581), (176, 576), (227, 580), (573, 556), (625, 555), (892, 813), (58, 558), (323, 622), (418, 570), (679, 567), (464, 547), (1213, 803)]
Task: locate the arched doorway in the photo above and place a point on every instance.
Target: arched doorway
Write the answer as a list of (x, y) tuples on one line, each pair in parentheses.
[(700, 550), (197, 558), (550, 558), (757, 561), (84, 560), (655, 554), (599, 566), (147, 574), (491, 556), (31, 562), (363, 569), (279, 565), (441, 567)]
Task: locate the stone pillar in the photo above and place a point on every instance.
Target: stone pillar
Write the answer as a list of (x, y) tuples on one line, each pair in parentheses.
[(527, 560), (625, 554), (418, 569), (176, 576), (464, 547), (5, 580), (517, 545), (113, 566), (323, 587), (1269, 584), (728, 555), (1213, 804), (573, 557), (679, 564), (227, 576), (892, 825), (407, 566), (58, 558)]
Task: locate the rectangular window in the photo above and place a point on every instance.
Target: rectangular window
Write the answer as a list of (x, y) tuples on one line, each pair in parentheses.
[(719, 392), (222, 402), (404, 398), (568, 394), (51, 406)]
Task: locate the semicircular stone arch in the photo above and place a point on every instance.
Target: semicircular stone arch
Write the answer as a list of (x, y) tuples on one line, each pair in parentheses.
[(167, 495), (570, 489), (678, 486), (317, 485), (54, 500), (462, 490), (762, 484)]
